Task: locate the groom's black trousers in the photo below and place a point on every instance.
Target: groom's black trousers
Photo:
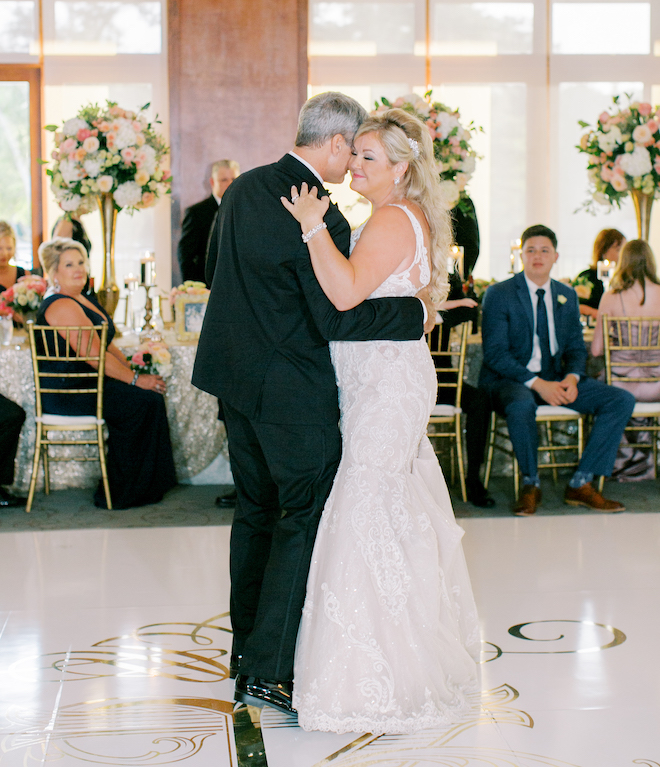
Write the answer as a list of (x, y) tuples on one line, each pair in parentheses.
[(283, 475)]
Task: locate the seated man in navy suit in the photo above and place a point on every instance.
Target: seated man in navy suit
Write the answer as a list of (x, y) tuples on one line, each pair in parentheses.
[(534, 354)]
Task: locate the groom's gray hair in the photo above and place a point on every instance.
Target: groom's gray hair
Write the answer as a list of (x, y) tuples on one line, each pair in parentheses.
[(326, 115)]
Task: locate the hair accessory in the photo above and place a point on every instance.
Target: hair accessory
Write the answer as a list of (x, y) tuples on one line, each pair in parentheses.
[(414, 146), (319, 227)]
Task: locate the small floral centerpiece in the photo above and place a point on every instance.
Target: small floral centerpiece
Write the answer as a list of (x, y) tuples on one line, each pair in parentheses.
[(582, 285), (108, 150), (623, 153), (455, 158), (188, 288), (152, 358), (24, 296)]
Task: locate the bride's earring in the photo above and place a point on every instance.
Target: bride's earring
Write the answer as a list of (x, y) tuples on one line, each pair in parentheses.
[(57, 287), (396, 181)]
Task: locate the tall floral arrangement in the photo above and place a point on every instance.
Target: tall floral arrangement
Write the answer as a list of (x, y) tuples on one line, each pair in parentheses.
[(623, 153), (108, 150), (454, 156)]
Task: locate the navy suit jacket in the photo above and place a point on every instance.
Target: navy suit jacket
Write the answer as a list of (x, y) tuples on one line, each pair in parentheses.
[(508, 332)]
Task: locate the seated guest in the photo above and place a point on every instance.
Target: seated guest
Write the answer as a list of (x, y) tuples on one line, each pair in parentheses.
[(534, 354), (140, 464), (9, 273), (607, 246), (12, 417), (198, 222), (475, 403), (634, 292)]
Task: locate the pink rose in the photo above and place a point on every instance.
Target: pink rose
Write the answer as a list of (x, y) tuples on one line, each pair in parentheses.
[(619, 183), (642, 135), (645, 109), (79, 154), (55, 155), (104, 126), (652, 125), (82, 134), (606, 173), (399, 102), (603, 118), (166, 175), (656, 165), (128, 154), (148, 199), (68, 145), (618, 169), (138, 359), (116, 112)]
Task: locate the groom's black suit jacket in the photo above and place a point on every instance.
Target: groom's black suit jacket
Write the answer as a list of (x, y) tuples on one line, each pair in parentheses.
[(263, 347)]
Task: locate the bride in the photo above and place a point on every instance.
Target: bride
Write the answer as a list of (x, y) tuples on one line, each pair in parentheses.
[(389, 635)]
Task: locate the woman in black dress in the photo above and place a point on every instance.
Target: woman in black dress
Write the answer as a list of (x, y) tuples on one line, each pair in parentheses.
[(140, 464), (607, 246)]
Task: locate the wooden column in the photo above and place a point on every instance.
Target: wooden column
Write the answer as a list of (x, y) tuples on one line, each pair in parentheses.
[(238, 77)]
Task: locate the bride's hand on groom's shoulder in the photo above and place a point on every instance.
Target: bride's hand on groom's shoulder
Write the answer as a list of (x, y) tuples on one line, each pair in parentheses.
[(306, 206)]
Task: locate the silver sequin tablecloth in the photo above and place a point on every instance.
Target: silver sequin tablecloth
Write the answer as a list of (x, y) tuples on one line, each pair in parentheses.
[(197, 435)]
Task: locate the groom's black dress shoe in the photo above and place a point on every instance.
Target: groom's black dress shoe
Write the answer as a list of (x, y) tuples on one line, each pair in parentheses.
[(477, 495), (263, 692)]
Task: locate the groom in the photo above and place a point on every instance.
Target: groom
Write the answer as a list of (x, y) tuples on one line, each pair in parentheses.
[(263, 352)]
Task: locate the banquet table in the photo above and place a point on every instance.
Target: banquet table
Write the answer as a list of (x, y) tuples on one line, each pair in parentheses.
[(197, 435)]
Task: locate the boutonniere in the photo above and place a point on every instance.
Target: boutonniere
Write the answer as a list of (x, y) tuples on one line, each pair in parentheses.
[(561, 298)]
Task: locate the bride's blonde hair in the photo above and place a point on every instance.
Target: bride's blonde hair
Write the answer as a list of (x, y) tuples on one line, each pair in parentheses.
[(419, 184)]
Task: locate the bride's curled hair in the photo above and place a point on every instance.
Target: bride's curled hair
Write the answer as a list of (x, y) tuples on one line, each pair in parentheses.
[(420, 183)]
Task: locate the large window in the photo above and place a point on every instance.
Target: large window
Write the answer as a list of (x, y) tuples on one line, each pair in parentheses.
[(526, 72), (86, 51)]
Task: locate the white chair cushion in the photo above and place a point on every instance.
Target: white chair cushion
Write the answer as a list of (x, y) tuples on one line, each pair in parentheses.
[(646, 408), (83, 421), (547, 411), (445, 411)]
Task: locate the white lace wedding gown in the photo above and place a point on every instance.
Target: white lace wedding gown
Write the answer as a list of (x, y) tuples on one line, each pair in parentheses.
[(389, 633)]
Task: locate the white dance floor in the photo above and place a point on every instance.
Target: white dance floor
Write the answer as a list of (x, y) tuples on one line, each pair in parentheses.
[(114, 645)]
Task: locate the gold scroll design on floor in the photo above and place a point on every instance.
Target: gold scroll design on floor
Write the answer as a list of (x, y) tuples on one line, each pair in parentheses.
[(153, 731), (488, 707), (586, 630), (187, 652)]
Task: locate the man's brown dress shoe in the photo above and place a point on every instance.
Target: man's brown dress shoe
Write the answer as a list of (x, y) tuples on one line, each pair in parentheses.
[(528, 500), (588, 496)]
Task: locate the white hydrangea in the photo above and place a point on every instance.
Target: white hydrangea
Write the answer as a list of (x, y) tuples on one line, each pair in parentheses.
[(93, 166), (71, 203), (447, 123), (469, 164), (128, 194), (450, 192), (71, 172), (602, 199), (146, 159), (125, 134), (72, 126), (607, 141), (637, 162)]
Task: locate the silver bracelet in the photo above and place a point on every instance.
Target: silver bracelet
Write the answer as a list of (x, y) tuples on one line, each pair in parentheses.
[(135, 378), (318, 228)]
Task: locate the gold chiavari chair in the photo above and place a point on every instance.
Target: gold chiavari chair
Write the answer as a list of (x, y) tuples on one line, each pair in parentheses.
[(634, 342), (450, 378), (548, 417), (50, 344)]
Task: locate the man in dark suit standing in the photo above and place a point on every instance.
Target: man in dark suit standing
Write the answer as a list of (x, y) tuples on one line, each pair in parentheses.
[(263, 352), (534, 354), (198, 222), (12, 417)]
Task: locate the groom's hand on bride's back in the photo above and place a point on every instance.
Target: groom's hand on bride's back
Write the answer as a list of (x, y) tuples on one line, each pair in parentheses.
[(425, 297)]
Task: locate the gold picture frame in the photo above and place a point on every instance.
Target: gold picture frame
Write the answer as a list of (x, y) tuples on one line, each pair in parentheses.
[(189, 315)]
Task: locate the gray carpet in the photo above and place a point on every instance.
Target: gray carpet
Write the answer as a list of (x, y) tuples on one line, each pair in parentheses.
[(194, 505)]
